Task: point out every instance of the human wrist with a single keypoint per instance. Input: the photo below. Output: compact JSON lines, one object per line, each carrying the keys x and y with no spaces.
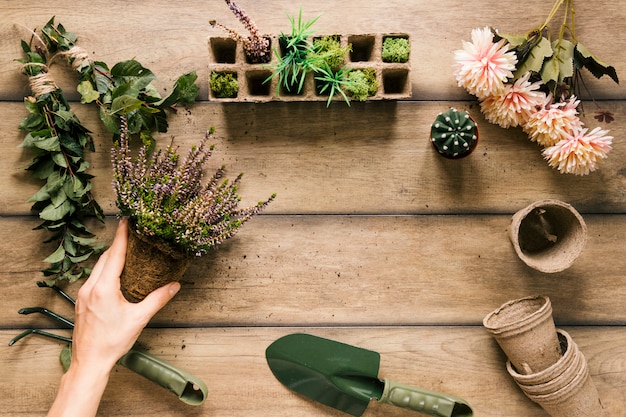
{"x":80,"y":391}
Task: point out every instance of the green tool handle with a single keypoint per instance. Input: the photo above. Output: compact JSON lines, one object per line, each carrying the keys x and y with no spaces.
{"x":188,"y":388}
{"x":425,"y":401}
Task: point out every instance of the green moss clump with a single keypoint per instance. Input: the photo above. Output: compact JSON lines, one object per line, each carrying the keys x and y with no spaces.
{"x":328,"y":49}
{"x":362,"y":83}
{"x":224,"y":84}
{"x":396,"y":50}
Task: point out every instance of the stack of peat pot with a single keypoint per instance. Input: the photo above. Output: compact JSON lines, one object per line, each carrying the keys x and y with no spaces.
{"x":544,"y":361}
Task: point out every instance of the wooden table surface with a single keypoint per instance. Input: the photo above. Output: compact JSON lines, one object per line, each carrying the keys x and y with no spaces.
{"x":373,"y":240}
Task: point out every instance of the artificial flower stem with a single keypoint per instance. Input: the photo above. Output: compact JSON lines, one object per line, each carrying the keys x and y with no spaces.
{"x":555,"y":8}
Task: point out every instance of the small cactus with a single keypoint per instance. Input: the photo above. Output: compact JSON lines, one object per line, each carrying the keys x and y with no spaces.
{"x":454,"y":134}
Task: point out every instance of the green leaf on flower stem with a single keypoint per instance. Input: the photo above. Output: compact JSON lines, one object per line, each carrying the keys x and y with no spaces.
{"x":514,"y":40}
{"x":561,"y":65}
{"x":535,"y":58}
{"x":584,"y":58}
{"x":56,"y":256}
{"x":87,"y":93}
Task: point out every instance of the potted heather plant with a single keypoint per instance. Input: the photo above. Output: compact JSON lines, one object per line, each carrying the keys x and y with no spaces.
{"x":173,"y":216}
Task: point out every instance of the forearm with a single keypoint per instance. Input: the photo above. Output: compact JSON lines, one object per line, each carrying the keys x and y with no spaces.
{"x":80,"y":392}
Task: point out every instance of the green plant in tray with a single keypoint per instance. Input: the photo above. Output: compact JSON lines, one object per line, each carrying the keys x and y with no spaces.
{"x":333,"y":82}
{"x":396,"y":49}
{"x":224,"y":84}
{"x":362,"y":83}
{"x":296,"y":55}
{"x":256,"y":46}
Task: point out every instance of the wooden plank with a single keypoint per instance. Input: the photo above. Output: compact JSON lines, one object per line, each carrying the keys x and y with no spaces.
{"x":370,"y":158}
{"x":463,"y":361}
{"x":355,"y":270}
{"x":166,"y":33}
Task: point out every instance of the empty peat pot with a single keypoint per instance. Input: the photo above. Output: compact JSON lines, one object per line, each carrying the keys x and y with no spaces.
{"x":525,"y":331}
{"x":548,"y":235}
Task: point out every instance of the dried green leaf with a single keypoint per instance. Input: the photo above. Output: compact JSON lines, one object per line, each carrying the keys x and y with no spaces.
{"x":584,"y":58}
{"x":59,"y":159}
{"x":535,"y":58}
{"x":561,"y":65}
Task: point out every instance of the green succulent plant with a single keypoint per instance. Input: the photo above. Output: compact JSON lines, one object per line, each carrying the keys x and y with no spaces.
{"x":454,"y":134}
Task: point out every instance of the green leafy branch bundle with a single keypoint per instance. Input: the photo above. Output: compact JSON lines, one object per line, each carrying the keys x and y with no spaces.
{"x":59,"y":140}
{"x":125,"y":89}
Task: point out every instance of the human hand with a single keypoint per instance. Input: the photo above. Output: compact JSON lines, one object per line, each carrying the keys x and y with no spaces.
{"x":106,"y":327}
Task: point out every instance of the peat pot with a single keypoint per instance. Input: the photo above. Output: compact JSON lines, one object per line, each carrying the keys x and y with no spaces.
{"x":548,"y":235}
{"x":524,"y":329}
{"x":149,"y":265}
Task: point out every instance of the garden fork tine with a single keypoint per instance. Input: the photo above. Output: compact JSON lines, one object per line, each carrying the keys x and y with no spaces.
{"x":48,"y":313}
{"x":59,"y":291}
{"x":187,"y":387}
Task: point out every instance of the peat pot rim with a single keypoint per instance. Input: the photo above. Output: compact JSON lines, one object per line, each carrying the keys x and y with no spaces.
{"x":518,"y":316}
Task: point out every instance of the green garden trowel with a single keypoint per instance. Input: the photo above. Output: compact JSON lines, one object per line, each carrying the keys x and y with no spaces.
{"x":346,"y":378}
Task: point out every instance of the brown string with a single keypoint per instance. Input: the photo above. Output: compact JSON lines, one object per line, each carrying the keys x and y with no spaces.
{"x":78,"y":57}
{"x":41,"y":83}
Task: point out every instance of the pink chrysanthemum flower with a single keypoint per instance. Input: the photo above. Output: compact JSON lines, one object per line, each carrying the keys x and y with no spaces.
{"x":515,"y":104}
{"x":553,"y":122}
{"x":580,"y":153}
{"x":483,"y":66}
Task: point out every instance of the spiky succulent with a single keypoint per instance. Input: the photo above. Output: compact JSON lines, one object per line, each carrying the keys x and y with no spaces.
{"x":454,"y":133}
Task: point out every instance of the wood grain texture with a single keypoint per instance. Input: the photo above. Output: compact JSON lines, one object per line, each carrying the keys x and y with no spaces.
{"x":373,"y":240}
{"x":463,"y":360}
{"x":359,"y":271}
{"x":171,"y":39}
{"x":373,"y":158}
